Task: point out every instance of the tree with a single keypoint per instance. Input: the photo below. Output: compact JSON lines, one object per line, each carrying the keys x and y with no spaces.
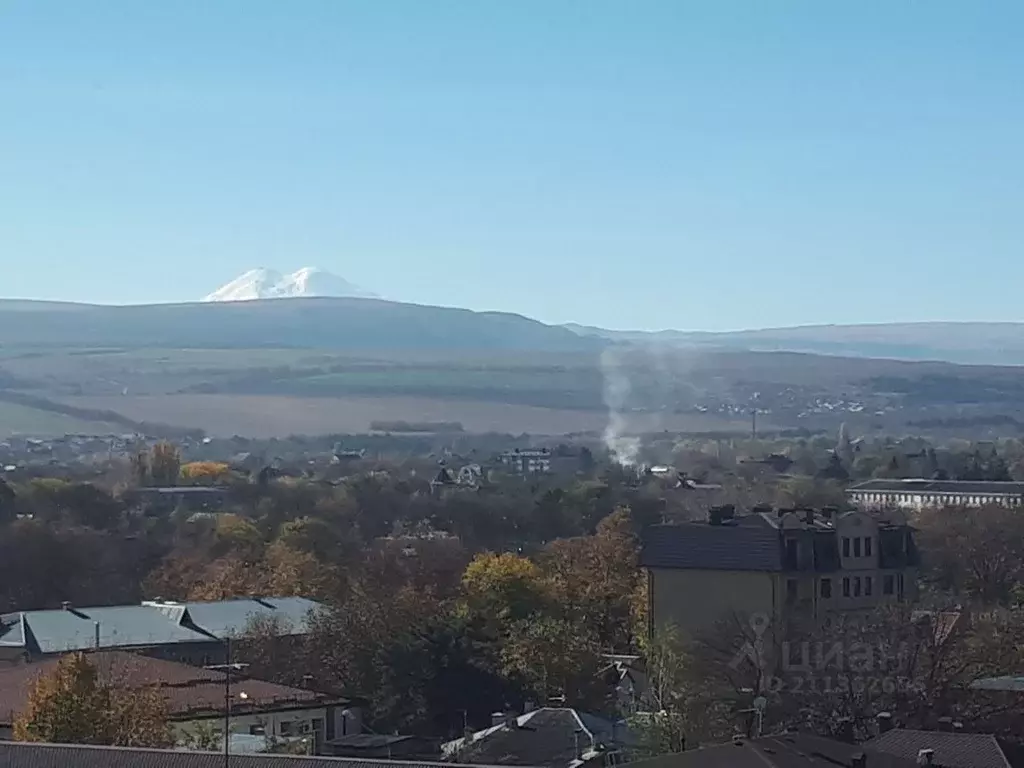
{"x":980,"y":555}
{"x":678,"y":708}
{"x":164,"y":464}
{"x":593,"y":579}
{"x":205,"y":472}
{"x":72,"y":706}
{"x":554,"y":658}
{"x":67,"y":706}
{"x":502,"y":589}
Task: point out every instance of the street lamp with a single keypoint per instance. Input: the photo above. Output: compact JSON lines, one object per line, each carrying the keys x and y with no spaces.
{"x":228,"y":667}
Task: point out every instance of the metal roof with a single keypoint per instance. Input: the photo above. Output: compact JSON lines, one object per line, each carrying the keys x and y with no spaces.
{"x":231,"y":617}
{"x":148,"y":624}
{"x":37,"y":755}
{"x":73,"y":629}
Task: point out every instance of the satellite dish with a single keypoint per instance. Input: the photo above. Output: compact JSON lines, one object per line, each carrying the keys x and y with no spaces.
{"x":760,"y":703}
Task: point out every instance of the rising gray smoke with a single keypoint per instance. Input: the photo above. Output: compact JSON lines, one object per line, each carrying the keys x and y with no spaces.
{"x":624,"y":448}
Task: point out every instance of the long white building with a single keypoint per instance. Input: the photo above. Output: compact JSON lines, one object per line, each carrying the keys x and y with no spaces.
{"x":918,"y":493}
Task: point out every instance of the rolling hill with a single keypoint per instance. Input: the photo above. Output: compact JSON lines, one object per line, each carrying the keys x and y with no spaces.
{"x":314,"y":323}
{"x":972,"y":343}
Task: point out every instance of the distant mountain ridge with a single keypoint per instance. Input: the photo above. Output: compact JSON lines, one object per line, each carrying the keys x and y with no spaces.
{"x":312,"y":323}
{"x":969,"y":343}
{"x":308,"y":282}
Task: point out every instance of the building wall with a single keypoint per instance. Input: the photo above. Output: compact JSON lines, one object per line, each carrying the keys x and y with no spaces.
{"x":282,"y":725}
{"x":918,"y":500}
{"x":695,"y":601}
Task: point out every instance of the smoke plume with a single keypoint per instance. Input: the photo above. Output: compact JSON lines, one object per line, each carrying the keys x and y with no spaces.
{"x":624,"y":448}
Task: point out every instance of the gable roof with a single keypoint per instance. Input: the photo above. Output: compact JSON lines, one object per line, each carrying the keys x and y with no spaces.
{"x":224,"y":618}
{"x":147,"y":624}
{"x":35,"y":755}
{"x":120,"y":626}
{"x":952,"y":750}
{"x":553,"y":737}
{"x":191,"y":692}
{"x":712,"y":547}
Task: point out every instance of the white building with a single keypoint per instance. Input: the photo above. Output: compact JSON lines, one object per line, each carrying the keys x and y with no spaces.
{"x":918,"y":493}
{"x":527,"y":461}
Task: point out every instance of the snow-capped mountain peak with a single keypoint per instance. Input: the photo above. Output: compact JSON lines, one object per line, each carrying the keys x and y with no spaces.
{"x":271,"y":284}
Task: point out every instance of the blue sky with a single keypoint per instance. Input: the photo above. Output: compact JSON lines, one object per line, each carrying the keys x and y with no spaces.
{"x":632,"y":164}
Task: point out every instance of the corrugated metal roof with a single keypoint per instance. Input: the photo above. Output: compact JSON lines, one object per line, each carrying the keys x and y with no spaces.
{"x":35,"y":755}
{"x":151,"y":623}
{"x":119,"y":627}
{"x":231,"y":617}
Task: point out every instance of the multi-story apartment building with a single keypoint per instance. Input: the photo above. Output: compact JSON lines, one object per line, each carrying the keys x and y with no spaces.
{"x":920,"y":493}
{"x":786,"y":565}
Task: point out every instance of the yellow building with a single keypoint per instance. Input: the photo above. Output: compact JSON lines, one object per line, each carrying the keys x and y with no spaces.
{"x":778,"y":566}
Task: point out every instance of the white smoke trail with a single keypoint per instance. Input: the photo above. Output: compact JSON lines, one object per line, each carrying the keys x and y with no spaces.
{"x":624,"y":448}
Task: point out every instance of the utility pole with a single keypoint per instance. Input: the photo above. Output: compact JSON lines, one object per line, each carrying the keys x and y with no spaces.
{"x":227,"y":702}
{"x":227,"y":667}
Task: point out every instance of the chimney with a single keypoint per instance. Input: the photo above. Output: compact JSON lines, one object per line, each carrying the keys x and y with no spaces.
{"x":715,"y":516}
{"x":926,"y":757}
{"x":511,"y":720}
{"x":946,"y":724}
{"x":65,"y":606}
{"x":958,"y":727}
{"x":809,"y":516}
{"x":497,"y":718}
{"x":859,"y":760}
{"x":728,"y":511}
{"x":884,"y":721}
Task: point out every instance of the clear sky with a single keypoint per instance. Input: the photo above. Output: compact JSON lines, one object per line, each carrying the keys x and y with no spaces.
{"x":632,"y":164}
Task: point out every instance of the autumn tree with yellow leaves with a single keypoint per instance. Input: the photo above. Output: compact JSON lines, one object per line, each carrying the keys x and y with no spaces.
{"x":71,"y":705}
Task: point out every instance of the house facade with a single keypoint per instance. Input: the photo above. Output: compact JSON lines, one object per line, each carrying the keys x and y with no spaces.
{"x":784,"y":566}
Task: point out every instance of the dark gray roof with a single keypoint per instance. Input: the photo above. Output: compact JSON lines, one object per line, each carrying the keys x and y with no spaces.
{"x":952,"y":750}
{"x":545,"y":737}
{"x":992,"y":487}
{"x":31,"y":755}
{"x":712,"y":547}
{"x":786,"y":751}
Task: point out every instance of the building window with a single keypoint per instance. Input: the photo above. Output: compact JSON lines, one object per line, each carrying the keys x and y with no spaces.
{"x":826,"y":588}
{"x":887,"y":585}
{"x":856,"y":547}
{"x":846,"y":586}
{"x":867,"y":547}
{"x":846,"y":546}
{"x":792,"y":590}
{"x":257,"y":730}
{"x":899,"y":584}
{"x":867,"y":586}
{"x":856,"y":586}
{"x":286,"y":727}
